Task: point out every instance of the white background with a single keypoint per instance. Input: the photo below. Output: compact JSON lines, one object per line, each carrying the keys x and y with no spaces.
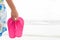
{"x":34,"y":11}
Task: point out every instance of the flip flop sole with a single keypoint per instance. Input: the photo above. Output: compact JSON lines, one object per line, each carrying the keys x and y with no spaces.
{"x":11,"y":28}
{"x":19,"y":27}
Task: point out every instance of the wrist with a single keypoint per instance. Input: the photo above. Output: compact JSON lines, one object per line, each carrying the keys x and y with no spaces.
{"x":13,"y":9}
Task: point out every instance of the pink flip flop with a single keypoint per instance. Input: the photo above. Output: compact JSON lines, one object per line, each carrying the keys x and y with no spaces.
{"x":11,"y":28}
{"x":15,"y":28}
{"x":19,"y":27}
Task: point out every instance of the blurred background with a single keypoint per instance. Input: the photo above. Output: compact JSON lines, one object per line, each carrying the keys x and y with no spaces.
{"x":42,"y":19}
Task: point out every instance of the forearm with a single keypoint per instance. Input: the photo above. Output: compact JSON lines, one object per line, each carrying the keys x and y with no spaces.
{"x":11,"y":5}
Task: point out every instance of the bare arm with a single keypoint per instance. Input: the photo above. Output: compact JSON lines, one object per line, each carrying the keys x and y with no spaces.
{"x":11,"y":5}
{"x":14,"y":13}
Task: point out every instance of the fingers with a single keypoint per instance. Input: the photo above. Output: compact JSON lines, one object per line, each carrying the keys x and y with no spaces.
{"x":14,"y":18}
{"x":14,"y":15}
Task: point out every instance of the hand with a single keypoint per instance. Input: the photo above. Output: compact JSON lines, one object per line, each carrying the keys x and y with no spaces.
{"x":14,"y":15}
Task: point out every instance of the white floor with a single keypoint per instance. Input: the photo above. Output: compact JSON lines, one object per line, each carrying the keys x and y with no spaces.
{"x":37,"y":32}
{"x":5,"y":37}
{"x":30,"y":37}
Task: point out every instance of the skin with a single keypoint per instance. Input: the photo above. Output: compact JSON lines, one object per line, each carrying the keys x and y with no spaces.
{"x":14,"y":13}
